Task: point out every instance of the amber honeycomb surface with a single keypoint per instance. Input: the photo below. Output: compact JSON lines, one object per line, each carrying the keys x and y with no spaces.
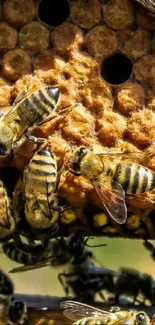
{"x":120,"y":117}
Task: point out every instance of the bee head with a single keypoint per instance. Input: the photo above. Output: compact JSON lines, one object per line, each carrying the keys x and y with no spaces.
{"x":142,"y":318}
{"x":3,"y":149}
{"x":75,"y":244}
{"x":79,"y":154}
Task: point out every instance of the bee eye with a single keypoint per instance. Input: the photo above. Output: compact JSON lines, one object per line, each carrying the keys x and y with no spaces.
{"x":140,"y":318}
{"x":2,"y":149}
{"x":76,"y":166}
{"x":82,"y":151}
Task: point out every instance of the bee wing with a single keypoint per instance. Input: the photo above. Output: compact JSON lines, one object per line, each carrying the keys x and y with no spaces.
{"x":113,"y":199}
{"x":25,"y":268}
{"x":21,"y":96}
{"x":93,"y":269}
{"x":75,"y":310}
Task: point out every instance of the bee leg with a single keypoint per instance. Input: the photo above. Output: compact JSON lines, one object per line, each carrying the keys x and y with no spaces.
{"x":148,"y":222}
{"x":45,"y":242}
{"x":35,"y":139}
{"x":67,"y":110}
{"x":60,"y":278}
{"x":102,"y":295}
{"x":81,"y":216}
{"x":114,"y":309}
{"x":18,"y":313}
{"x":49,"y":118}
{"x":59,"y":209}
{"x":60,"y":171}
{"x":117,"y":296}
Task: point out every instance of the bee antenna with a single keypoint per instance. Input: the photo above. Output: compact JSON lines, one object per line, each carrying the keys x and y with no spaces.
{"x":96,"y":245}
{"x":101,"y":245}
{"x":71,"y":146}
{"x":74,"y":172}
{"x":85,"y":240}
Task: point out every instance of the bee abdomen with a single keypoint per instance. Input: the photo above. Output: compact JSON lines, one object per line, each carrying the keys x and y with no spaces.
{"x":42,"y":102}
{"x":134,"y":178}
{"x":18,"y":254}
{"x":42,"y":170}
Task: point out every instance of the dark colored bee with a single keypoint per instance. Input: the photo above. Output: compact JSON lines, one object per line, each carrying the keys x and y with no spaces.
{"x":54,"y":252}
{"x":83,"y":276}
{"x":10,"y":311}
{"x":132,"y":283}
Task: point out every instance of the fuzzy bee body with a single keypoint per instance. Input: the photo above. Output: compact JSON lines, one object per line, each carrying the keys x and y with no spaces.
{"x":113,"y":179}
{"x":88,"y":315}
{"x":29,"y":109}
{"x":40,"y":181}
{"x":7,"y":222}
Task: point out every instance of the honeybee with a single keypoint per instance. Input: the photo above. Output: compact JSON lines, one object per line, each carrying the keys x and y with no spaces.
{"x":112,"y":180}
{"x":54,"y":252}
{"x":36,"y":255}
{"x":7,"y":221}
{"x":92,"y":316}
{"x":31,"y":107}
{"x":41,"y":181}
{"x":10,"y":311}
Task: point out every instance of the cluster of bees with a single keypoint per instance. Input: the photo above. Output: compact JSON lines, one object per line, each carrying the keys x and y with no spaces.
{"x":11,"y":311}
{"x":112,"y":179}
{"x":83,"y":276}
{"x":15,"y":312}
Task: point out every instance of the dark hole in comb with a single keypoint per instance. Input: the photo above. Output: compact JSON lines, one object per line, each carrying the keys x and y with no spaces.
{"x":116,"y":69}
{"x":9,"y":175}
{"x":53,"y":13}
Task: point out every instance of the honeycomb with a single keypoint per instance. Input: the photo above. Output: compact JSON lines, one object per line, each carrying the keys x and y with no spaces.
{"x":101,"y":55}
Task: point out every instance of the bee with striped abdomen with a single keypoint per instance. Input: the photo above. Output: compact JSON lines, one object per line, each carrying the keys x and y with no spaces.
{"x":7,"y":221}
{"x":23,"y":253}
{"x":88,"y":315}
{"x":112,"y":179}
{"x":41,"y":180}
{"x":10,"y":311}
{"x":31,"y":108}
{"x":35,"y":256}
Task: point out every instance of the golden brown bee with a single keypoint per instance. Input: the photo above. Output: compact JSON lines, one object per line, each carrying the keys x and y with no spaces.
{"x":7,"y":221}
{"x":31,"y":107}
{"x":112,"y":179}
{"x":92,"y":316}
{"x":40,"y":186}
